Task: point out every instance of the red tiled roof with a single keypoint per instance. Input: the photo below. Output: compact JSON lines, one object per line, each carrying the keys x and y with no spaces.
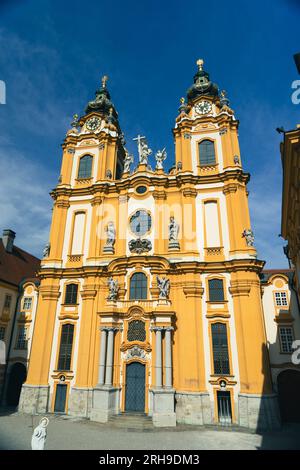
{"x":18,"y":265}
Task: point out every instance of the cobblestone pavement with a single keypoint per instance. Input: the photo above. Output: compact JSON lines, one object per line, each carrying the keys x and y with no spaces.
{"x":70,"y":434}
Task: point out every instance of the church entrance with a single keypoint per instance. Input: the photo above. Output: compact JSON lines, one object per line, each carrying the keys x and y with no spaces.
{"x":17,"y":377}
{"x":288,"y":383}
{"x":135,"y":387}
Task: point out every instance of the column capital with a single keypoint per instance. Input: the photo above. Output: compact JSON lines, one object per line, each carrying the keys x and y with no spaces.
{"x":169,"y":328}
{"x":156,"y":328}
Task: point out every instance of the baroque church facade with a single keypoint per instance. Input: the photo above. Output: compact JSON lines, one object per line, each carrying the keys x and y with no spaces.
{"x":150,"y":296}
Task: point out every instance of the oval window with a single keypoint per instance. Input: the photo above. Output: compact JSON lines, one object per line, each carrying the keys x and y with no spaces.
{"x":140,"y":222}
{"x":141,"y":189}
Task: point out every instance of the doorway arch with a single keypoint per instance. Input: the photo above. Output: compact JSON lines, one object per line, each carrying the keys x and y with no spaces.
{"x":288,"y":383}
{"x":16,"y":379}
{"x":135,"y":387}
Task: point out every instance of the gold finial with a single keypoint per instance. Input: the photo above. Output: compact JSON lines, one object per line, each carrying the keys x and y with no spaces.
{"x":104,"y":80}
{"x":200,"y":63}
{"x":182,"y":100}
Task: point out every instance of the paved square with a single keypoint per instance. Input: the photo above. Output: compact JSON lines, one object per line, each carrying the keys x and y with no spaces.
{"x":70,"y":434}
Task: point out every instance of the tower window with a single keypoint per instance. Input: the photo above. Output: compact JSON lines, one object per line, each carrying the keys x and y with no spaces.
{"x":85,"y":167}
{"x":21,"y":342}
{"x":65,"y":349}
{"x":216,"y":290}
{"x":286,"y":339}
{"x":220,"y":348}
{"x":27,"y":303}
{"x":207,"y":153}
{"x":136,"y":331}
{"x":7,"y":301}
{"x":71,"y":294}
{"x":281,"y":299}
{"x":2,"y":333}
{"x":138,"y":286}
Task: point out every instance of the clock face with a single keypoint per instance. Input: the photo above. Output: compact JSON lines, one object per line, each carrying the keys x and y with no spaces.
{"x":93,"y":123}
{"x":203,"y":108}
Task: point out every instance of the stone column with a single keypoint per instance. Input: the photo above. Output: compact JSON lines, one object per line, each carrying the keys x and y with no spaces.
{"x":168,"y":359}
{"x":102,"y":357}
{"x":109,"y":357}
{"x":158,"y":359}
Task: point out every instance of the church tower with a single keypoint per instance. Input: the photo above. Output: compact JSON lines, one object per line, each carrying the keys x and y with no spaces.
{"x":150,"y":296}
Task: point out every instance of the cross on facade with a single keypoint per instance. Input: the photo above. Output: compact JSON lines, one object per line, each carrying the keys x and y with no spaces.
{"x":139,"y":140}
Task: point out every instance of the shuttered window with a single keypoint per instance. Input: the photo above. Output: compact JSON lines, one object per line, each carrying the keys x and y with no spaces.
{"x":65,"y":350}
{"x":207,"y":153}
{"x":216,"y":290}
{"x":138,"y":286}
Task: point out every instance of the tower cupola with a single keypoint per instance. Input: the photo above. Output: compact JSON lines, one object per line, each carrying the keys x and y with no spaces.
{"x":202,"y":85}
{"x":102,"y":103}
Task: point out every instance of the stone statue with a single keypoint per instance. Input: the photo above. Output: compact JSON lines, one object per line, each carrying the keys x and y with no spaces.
{"x":236,"y":159}
{"x":46,"y":250}
{"x":164,"y":287}
{"x":143,"y":150}
{"x":108,"y":174}
{"x":110,"y":238}
{"x":179,"y":166}
{"x":75,"y":122}
{"x":39,"y":435}
{"x":113,"y":289}
{"x":127,"y":162}
{"x":173,"y":229}
{"x":249,"y":236}
{"x":173,"y":234}
{"x":160,"y":157}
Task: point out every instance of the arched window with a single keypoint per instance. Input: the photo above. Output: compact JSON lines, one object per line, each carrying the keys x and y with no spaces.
{"x":136,"y":331}
{"x":216,"y":290}
{"x":85,"y":167}
{"x":220,"y":348}
{"x":65,"y":349}
{"x":138,"y":286}
{"x":71,"y":294}
{"x":207,"y":153}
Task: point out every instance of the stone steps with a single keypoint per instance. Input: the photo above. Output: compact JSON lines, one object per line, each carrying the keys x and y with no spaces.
{"x":132,"y":421}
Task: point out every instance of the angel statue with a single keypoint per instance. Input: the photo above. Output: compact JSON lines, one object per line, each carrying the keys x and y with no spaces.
{"x":160,"y":157}
{"x":110,"y":238}
{"x":113,"y":287}
{"x":164,"y":287}
{"x":249,"y":236}
{"x":39,"y":435}
{"x":46,"y":250}
{"x":127,"y":162}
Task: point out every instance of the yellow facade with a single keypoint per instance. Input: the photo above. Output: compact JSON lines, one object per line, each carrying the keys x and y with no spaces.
{"x":192,"y":353}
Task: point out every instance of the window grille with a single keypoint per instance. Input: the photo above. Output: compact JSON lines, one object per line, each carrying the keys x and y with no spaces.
{"x":136,"y":331}
{"x":216,"y":290}
{"x":220,"y":348}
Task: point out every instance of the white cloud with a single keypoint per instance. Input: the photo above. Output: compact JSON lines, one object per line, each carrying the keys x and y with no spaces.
{"x":25,"y":204}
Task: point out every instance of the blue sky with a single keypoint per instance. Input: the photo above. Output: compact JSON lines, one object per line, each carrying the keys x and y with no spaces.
{"x":54,"y":53}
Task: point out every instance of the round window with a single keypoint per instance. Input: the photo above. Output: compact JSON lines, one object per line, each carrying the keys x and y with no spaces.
{"x":140,"y":222}
{"x":141,"y":189}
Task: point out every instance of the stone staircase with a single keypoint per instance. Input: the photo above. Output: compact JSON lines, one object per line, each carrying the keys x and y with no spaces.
{"x":132,"y":421}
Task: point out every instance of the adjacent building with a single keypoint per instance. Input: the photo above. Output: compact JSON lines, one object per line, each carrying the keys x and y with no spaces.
{"x":282,"y":320}
{"x":150,"y":293}
{"x":18,"y":300}
{"x":290,"y":216}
